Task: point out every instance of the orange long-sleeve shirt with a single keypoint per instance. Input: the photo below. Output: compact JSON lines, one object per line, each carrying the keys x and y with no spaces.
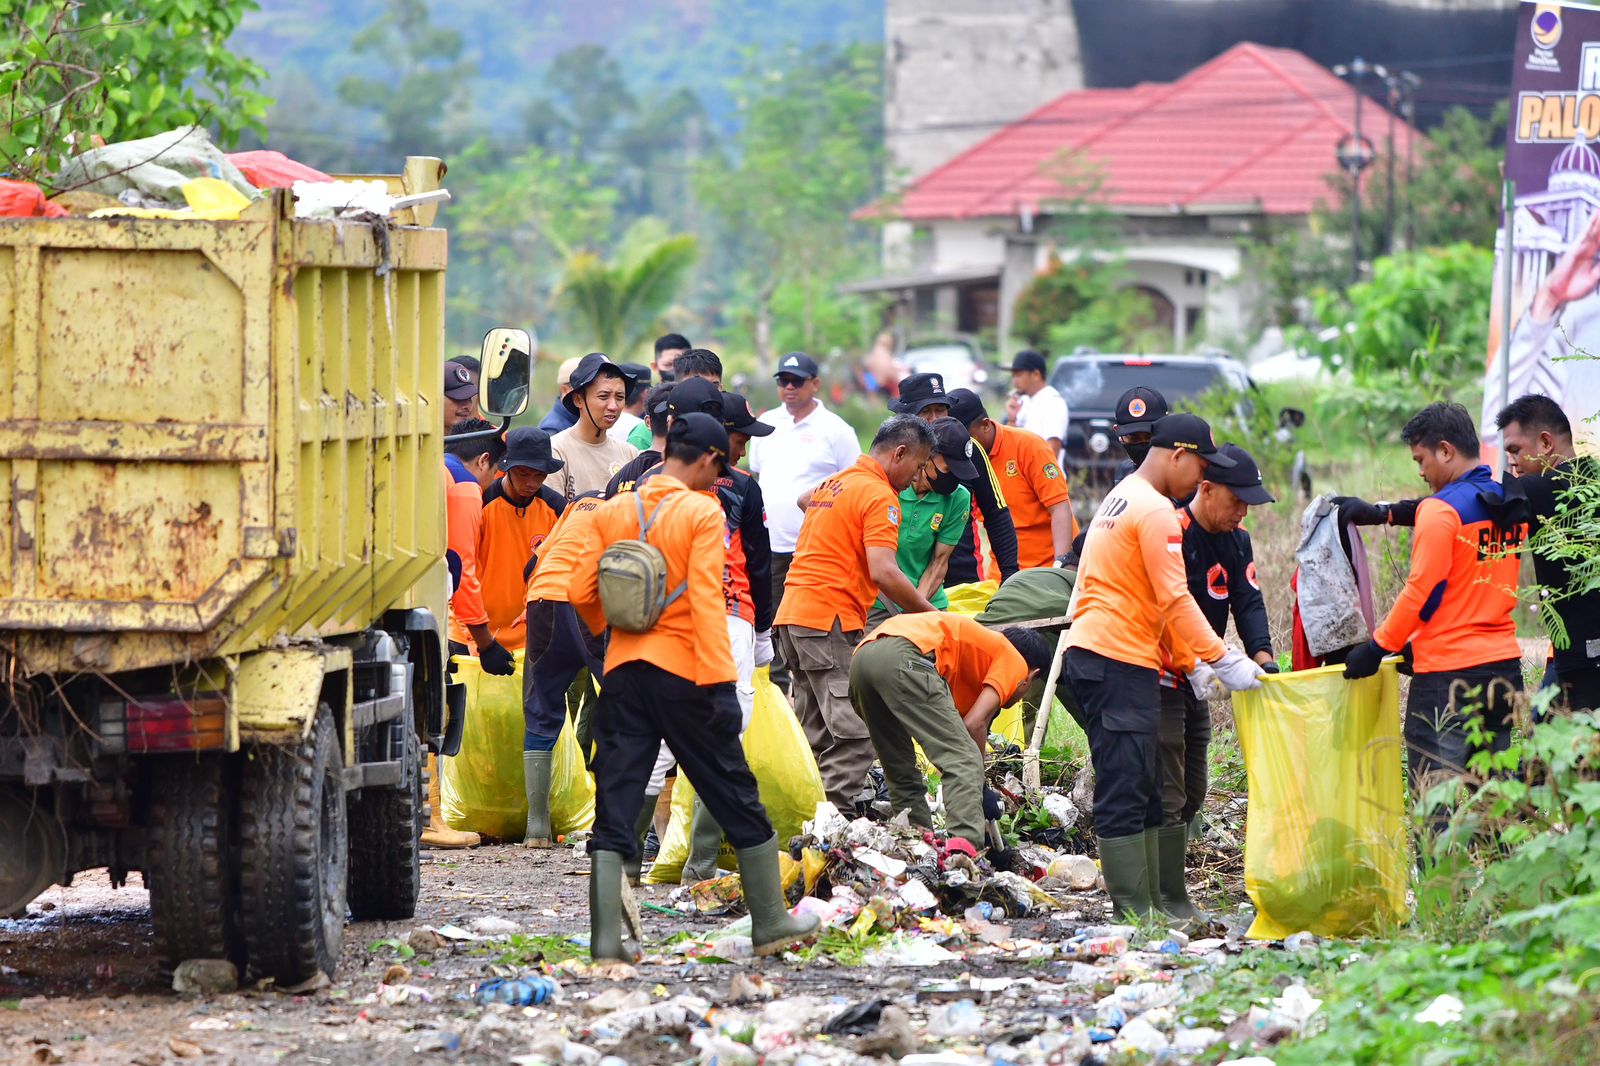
{"x":1132,"y":584}
{"x":463,"y":527}
{"x":691,"y":637}
{"x":968,"y":654}
{"x":1456,"y":607}
{"x":560,"y":549}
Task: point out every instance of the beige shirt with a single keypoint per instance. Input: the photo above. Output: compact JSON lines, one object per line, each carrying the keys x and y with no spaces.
{"x":589,"y":466}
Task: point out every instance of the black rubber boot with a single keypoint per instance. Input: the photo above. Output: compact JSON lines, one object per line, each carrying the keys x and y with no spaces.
{"x":705,"y":841}
{"x":1126,"y":868}
{"x":536,"y":781}
{"x":605,"y":909}
{"x":634,"y":863}
{"x":1172,"y":846}
{"x":772,"y":927}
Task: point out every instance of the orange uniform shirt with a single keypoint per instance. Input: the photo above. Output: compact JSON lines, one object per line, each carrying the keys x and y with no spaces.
{"x":463,"y":527}
{"x":691,"y":637}
{"x":828,"y":580}
{"x":1032,"y":483}
{"x":1132,"y":585}
{"x":1456,"y":607}
{"x":561,"y":547}
{"x":510,"y":535}
{"x":968,"y":655}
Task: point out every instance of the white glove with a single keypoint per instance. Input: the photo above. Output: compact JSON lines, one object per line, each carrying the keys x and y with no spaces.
{"x":764,"y":647}
{"x":1237,"y":671}
{"x":1204,"y":681}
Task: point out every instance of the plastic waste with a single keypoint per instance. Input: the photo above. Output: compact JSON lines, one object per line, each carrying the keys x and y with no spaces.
{"x":1080,"y":872}
{"x":857,"y":1018}
{"x":1444,"y":1010}
{"x":900,"y":950}
{"x":1299,"y":941}
{"x":517,"y":991}
{"x":24,"y":199}
{"x":1062,"y":811}
{"x":152,"y":169}
{"x":1140,"y":1035}
{"x":961,"y":1018}
{"x":266,"y":169}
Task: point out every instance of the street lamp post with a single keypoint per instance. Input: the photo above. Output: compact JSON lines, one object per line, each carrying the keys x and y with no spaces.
{"x":1355,"y":153}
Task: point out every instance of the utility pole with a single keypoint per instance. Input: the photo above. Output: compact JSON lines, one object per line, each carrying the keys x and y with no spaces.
{"x":1354,"y":153}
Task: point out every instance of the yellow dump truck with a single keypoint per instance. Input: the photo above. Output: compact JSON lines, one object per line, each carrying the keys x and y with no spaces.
{"x":222,"y":592}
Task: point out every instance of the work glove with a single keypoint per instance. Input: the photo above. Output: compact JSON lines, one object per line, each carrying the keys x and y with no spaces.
{"x":1269,"y":667}
{"x":1364,"y":661}
{"x":1354,"y":511}
{"x":1406,"y":665}
{"x":993,"y":806}
{"x":764,"y":647}
{"x":496,"y":660}
{"x":1402,"y":512}
{"x":1237,"y":671}
{"x":1203,"y":680}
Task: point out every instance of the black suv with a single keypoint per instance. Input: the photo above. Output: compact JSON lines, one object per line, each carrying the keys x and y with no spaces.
{"x":1092,"y":383}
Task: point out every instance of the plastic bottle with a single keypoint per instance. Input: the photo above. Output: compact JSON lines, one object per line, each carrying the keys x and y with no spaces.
{"x":517,"y":991}
{"x":961,"y":1018}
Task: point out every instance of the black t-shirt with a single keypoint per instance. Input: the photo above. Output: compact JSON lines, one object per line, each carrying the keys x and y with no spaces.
{"x":625,"y":479}
{"x":1579,"y":615}
{"x":1221,"y":569}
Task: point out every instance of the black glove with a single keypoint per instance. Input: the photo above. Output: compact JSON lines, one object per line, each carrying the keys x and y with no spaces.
{"x":1403,"y":512}
{"x":1270,"y":666}
{"x":1406,"y":665}
{"x":1363,"y":661}
{"x":993,"y":807}
{"x":1355,"y":511}
{"x":496,"y":660}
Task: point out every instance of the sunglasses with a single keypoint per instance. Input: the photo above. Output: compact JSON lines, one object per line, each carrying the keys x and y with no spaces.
{"x":787,"y":382}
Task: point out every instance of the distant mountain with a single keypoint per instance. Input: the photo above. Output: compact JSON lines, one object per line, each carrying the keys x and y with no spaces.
{"x":662,"y":44}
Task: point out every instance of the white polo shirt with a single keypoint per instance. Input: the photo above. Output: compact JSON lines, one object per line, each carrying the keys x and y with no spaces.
{"x":1044,"y":413}
{"x":794,"y":458}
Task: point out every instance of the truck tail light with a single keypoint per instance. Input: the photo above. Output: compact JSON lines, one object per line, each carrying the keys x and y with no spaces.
{"x":172,"y":723}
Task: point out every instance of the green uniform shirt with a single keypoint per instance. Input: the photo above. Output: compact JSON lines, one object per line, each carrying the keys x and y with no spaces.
{"x":924,"y":522}
{"x":639,"y":436}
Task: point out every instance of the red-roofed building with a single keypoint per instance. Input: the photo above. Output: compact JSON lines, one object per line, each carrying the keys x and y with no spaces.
{"x":1189,"y":167}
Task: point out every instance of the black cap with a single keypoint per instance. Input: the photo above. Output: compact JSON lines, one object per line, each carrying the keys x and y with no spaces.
{"x":951,"y":440}
{"x":965,"y":406}
{"x":638,"y":379}
{"x":1027,"y":359}
{"x":700,"y":431}
{"x":458,"y":381}
{"x":695,"y":394}
{"x":919,"y":391}
{"x":799,"y":364}
{"x":529,"y":447}
{"x":1188,"y":432}
{"x":1138,"y":409}
{"x":1243,"y":477}
{"x":583,"y":375}
{"x":737,"y":416}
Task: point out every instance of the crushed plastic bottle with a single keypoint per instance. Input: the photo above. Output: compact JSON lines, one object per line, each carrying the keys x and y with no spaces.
{"x":961,"y":1018}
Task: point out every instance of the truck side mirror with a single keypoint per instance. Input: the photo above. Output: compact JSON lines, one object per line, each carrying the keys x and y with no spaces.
{"x":507,"y":359}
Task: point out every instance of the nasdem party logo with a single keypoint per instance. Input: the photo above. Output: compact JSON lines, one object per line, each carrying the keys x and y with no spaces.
{"x":1545,"y":29}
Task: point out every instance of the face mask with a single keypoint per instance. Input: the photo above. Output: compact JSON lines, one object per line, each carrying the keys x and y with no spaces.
{"x":944,"y":483}
{"x":1137,"y":452}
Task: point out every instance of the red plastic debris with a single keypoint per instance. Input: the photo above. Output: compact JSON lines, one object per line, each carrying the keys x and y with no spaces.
{"x":274,"y":170}
{"x":24,"y":199}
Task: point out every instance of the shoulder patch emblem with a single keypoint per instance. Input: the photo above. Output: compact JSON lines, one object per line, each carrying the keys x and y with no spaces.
{"x":1011,"y":468}
{"x":1250,"y":575}
{"x":894,"y":515}
{"x":1052,"y":471}
{"x":938,"y":520}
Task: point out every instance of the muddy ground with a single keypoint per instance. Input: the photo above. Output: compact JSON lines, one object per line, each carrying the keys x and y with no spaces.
{"x":80,"y":981}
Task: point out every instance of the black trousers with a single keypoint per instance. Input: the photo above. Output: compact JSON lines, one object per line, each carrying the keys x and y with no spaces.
{"x":1436,"y":710}
{"x":779,"y":670}
{"x":1580,"y":687}
{"x":1121,"y":705}
{"x":640,"y":706}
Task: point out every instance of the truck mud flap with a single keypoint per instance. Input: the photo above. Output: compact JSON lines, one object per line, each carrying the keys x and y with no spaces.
{"x":455,"y":701}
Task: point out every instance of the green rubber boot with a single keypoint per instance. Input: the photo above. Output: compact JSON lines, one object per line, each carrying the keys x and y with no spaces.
{"x":705,"y":840}
{"x":605,"y":909}
{"x":772,"y":927}
{"x":1126,"y":869}
{"x":1172,"y":847}
{"x":536,"y":781}
{"x":634,"y":863}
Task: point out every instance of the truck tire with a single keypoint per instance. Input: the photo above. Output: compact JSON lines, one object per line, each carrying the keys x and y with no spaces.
{"x":189,"y":867}
{"x":294,"y":856}
{"x":385,"y":854}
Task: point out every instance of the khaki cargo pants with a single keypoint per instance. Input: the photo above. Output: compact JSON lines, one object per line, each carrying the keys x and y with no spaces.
{"x":902,"y":698}
{"x":820,"y":665}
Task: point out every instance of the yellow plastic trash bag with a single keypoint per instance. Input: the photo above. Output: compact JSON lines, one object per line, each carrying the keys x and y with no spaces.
{"x":786,"y":773}
{"x":1325,"y":845}
{"x":972,"y":597}
{"x":481,"y":787}
{"x":208,"y":198}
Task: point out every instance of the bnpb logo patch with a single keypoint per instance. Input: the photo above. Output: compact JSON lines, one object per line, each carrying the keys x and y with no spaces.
{"x":1137,"y":407}
{"x":1217,"y":582}
{"x":1250,"y":576}
{"x":894,"y":516}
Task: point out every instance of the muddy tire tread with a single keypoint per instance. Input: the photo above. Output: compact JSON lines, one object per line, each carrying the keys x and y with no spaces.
{"x":189,"y":869}
{"x":385,"y":845}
